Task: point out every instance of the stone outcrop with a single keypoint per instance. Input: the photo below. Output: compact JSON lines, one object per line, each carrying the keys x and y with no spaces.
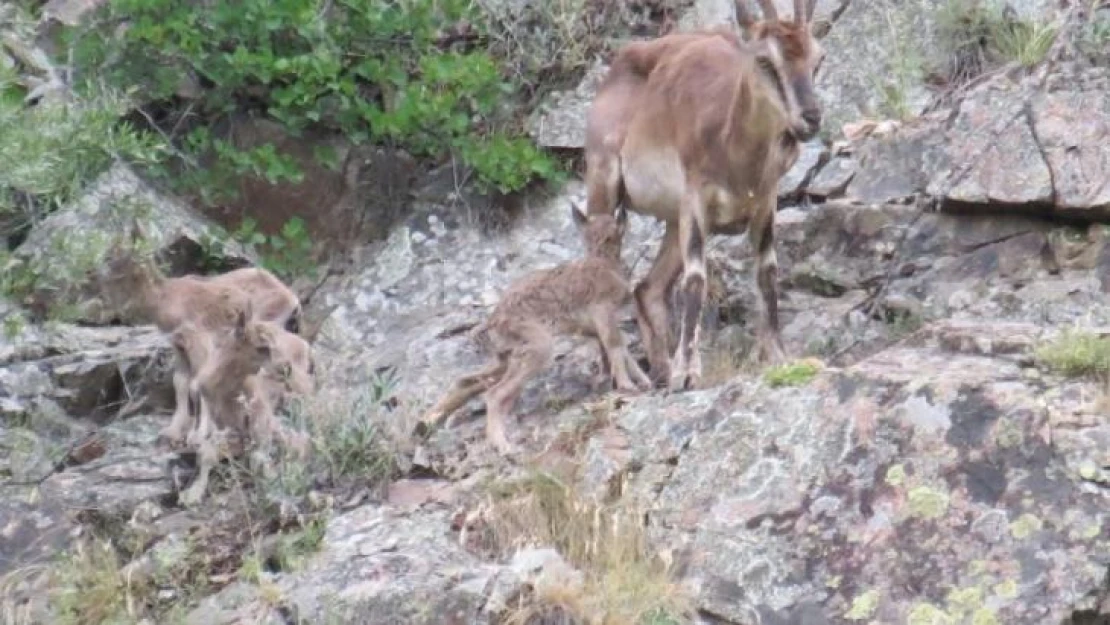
{"x":61,"y":251}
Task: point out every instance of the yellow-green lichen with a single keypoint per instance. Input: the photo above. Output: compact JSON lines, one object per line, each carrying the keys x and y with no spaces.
{"x":1008,"y":434}
{"x":928,"y":503}
{"x":1025,"y":525}
{"x":977,"y":567}
{"x":863,"y":606}
{"x":984,"y":616}
{"x":896,"y":475}
{"x":1088,"y":471}
{"x":1092,"y":531}
{"x":1007,"y":589}
{"x":833,"y":582}
{"x":963,"y":601}
{"x":928,"y":614}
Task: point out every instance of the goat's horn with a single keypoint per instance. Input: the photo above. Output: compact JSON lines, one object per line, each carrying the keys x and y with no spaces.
{"x":810,"y":9}
{"x":743,"y":15}
{"x":800,"y":12}
{"x":769,"y":11}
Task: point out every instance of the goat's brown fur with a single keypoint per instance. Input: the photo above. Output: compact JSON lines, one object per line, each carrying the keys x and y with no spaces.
{"x":696,"y":129}
{"x":210,"y":303}
{"x":582,"y":297}
{"x":242,"y":383}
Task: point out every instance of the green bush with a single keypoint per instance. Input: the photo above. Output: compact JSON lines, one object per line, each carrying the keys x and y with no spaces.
{"x":386,"y":72}
{"x":52,"y":150}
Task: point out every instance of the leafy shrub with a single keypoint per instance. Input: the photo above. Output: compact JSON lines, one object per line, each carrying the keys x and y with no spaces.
{"x":54,"y":149}
{"x":389,"y":72}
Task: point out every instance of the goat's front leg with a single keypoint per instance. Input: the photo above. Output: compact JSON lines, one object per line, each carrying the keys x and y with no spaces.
{"x":652,"y":310}
{"x":686,"y":366}
{"x":761,"y":233}
{"x":174,"y":433}
{"x":607,"y":326}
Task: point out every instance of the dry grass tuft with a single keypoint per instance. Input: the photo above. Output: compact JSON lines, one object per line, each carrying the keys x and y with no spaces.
{"x":624,"y":582}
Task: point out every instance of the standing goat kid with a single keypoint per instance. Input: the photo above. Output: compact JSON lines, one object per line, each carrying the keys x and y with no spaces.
{"x":696,"y":129}
{"x":211,"y":303}
{"x":583,"y":298}
{"x":240,"y":387}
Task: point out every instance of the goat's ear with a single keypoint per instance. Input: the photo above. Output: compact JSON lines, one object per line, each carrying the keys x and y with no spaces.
{"x":580,"y":217}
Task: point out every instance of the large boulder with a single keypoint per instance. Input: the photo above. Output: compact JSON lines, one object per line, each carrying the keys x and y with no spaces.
{"x":379,"y":566}
{"x":1032,"y":145}
{"x":82,"y":373}
{"x":937,"y":482}
{"x":53,"y":265}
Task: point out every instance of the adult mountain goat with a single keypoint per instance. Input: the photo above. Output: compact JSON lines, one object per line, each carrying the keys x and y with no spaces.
{"x":696,"y":129}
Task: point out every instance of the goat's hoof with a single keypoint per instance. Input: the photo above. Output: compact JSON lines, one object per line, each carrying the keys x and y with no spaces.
{"x":421,"y":430}
{"x":169,"y":440}
{"x":685,"y":381}
{"x":194,"y":440}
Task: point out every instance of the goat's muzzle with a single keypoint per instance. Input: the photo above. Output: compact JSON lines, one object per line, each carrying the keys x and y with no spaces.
{"x":810,"y":126}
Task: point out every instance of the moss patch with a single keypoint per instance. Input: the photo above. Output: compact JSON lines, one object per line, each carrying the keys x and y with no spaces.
{"x":793,"y":374}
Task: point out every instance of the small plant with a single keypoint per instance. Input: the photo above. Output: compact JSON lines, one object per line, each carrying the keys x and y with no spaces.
{"x":1075,"y":353}
{"x":793,"y":374}
{"x":981,"y":35}
{"x":1025,"y":43}
{"x":14,"y":325}
{"x":348,"y":441}
{"x":623,"y":580}
{"x":288,"y":253}
{"x":292,"y":548}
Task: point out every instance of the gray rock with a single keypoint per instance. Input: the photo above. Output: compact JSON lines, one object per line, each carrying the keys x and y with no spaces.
{"x":795,"y":179}
{"x":376,"y":567}
{"x":915,"y":481}
{"x":61,"y":251}
{"x":86,"y":373}
{"x":1008,"y":143}
{"x":832,"y":179}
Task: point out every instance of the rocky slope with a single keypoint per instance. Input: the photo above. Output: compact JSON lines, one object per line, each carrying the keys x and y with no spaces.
{"x":934,"y":470}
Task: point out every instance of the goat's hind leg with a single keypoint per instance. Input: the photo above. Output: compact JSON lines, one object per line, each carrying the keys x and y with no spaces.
{"x":686,"y":367}
{"x":525,"y":361}
{"x":175,"y":432}
{"x":462,"y":391}
{"x":207,"y":452}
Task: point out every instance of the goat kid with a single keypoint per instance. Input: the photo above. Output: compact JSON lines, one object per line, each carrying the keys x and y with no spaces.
{"x":583,"y":298}
{"x":244,"y":380}
{"x":696,"y":129}
{"x":211,"y":303}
